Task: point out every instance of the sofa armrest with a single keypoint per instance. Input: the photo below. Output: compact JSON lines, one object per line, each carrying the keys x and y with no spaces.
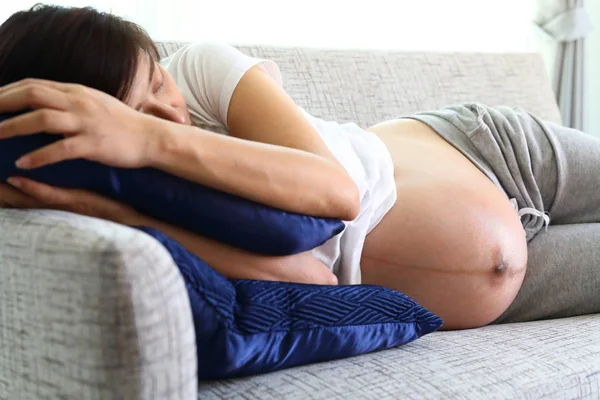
{"x":90,"y":309}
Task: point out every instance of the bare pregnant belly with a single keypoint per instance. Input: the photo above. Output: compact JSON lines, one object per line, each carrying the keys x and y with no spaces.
{"x":452,"y":241}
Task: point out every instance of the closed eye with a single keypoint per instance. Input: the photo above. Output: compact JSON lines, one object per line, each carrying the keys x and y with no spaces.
{"x":161,"y":84}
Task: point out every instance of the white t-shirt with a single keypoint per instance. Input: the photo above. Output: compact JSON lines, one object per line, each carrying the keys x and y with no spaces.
{"x":207,"y":74}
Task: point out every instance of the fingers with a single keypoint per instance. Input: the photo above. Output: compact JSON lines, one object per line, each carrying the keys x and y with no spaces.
{"x":41,"y":192}
{"x":66,"y":149}
{"x":64,"y":87}
{"x":74,"y":200}
{"x":46,"y":120}
{"x":13,"y":198}
{"x":32,"y":95}
{"x":33,"y":194}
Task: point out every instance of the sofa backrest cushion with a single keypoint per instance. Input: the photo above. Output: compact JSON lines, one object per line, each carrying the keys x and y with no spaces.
{"x":369,"y":86}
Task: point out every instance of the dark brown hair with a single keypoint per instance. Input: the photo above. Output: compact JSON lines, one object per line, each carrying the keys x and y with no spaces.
{"x":76,"y":45}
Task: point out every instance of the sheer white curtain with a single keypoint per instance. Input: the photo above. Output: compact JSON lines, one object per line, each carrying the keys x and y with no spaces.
{"x":563,"y":27}
{"x":443,"y":25}
{"x":593,"y":49}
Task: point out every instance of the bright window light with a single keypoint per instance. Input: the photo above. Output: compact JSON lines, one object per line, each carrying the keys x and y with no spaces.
{"x":436,"y":25}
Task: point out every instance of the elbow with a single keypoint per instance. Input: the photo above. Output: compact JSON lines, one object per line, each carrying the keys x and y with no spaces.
{"x":329,"y":279}
{"x":321,"y":276}
{"x":348,"y":200}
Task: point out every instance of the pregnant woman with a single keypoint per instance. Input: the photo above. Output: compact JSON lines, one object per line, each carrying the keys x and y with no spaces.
{"x":440,"y":205}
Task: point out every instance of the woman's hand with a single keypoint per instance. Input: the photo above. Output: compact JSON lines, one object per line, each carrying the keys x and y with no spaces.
{"x":95,"y":125}
{"x":232,"y":262}
{"x":26,"y":193}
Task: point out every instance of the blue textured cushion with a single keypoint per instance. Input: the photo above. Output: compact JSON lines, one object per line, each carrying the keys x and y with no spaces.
{"x":212,"y":213}
{"x":248,"y":327}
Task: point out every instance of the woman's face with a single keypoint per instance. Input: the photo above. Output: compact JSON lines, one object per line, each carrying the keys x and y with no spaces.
{"x":154,"y":92}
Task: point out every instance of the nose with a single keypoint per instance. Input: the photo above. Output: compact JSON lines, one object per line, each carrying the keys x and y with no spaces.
{"x":165,"y":111}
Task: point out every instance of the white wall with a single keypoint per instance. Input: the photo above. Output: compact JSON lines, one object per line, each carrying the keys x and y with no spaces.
{"x":593,"y":49}
{"x":469,"y":25}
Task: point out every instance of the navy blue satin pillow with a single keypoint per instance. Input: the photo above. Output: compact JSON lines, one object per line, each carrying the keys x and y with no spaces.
{"x":248,"y":327}
{"x":212,"y":213}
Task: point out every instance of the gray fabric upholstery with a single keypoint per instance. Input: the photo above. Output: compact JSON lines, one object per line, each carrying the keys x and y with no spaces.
{"x":94,"y":310}
{"x":537,"y":360}
{"x":367,"y":87}
{"x":90,"y":309}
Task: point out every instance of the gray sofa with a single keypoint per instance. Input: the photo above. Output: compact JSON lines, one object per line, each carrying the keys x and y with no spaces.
{"x":90,"y":309}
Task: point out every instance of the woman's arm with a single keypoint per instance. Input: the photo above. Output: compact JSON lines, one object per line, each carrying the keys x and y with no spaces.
{"x":232,"y":262}
{"x":235,"y":263}
{"x":274,"y":156}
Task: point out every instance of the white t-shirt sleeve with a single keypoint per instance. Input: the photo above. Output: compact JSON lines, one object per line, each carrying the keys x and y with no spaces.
{"x":207,"y":74}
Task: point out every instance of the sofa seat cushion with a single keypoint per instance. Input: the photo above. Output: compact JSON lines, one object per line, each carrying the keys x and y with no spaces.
{"x":558,"y":359}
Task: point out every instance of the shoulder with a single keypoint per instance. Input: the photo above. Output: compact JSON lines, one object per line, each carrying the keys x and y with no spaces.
{"x":215,"y":57}
{"x":207,"y":73}
{"x":200,"y":50}
{"x":197,"y":55}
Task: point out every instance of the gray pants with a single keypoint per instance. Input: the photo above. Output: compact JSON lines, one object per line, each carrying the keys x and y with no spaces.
{"x":551,"y":174}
